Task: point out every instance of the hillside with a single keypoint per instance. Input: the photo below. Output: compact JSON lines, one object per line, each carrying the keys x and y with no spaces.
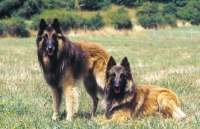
{"x":23,"y":22}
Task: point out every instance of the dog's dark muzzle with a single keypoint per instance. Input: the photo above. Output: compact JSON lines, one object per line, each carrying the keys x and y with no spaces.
{"x":50,"y":49}
{"x":117,"y":88}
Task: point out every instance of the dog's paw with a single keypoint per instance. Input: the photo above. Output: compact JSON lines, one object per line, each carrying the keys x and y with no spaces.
{"x":68,"y":119}
{"x":54,"y":117}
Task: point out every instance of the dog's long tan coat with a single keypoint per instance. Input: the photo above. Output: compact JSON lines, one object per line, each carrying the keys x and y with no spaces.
{"x":138,"y":101}
{"x":64,"y":62}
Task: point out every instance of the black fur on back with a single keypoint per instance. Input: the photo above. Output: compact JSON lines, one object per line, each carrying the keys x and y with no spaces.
{"x":68,"y":57}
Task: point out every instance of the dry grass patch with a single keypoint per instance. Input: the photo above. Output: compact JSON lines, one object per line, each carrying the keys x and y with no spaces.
{"x":159,"y":75}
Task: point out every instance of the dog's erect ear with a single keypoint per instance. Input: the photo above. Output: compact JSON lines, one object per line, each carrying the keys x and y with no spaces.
{"x":125,"y":63}
{"x":56,"y":25}
{"x":111,"y":63}
{"x":42,"y":25}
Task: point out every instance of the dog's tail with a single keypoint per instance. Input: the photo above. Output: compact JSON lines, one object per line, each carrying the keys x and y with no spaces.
{"x":178,"y":113}
{"x":169,"y":105}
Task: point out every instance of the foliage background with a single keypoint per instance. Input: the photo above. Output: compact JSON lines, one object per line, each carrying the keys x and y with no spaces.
{"x":149,"y":14}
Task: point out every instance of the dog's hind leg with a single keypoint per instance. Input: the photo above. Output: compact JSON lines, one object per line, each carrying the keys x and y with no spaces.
{"x":169,"y":105}
{"x":91,"y":88}
{"x":57,"y":98}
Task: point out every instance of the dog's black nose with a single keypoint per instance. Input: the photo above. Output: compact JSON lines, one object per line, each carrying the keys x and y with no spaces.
{"x":117,"y":88}
{"x":116,"y":85}
{"x":50,"y":48}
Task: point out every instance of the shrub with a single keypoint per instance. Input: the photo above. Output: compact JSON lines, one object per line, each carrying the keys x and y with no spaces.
{"x":68,"y":20}
{"x":96,"y":22}
{"x":190,"y":13}
{"x":169,"y":13}
{"x":150,"y":15}
{"x":22,"y":8}
{"x":9,"y":6}
{"x":15,"y":27}
{"x":29,"y":8}
{"x":70,"y":4}
{"x":150,"y":21}
{"x":180,"y":3}
{"x":58,"y":4}
{"x":170,"y":19}
{"x":2,"y":29}
{"x":94,"y":4}
{"x":169,"y":8}
{"x":128,"y":3}
{"x":120,"y":19}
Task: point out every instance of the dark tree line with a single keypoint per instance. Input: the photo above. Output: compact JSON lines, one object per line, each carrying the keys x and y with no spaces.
{"x":27,"y":8}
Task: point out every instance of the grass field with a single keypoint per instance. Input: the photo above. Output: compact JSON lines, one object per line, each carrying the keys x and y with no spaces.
{"x":25,"y":100}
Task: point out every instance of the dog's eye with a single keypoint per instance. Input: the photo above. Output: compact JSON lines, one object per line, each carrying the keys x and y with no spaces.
{"x":54,"y":37}
{"x":45,"y":37}
{"x":113,"y":75}
{"x":122,"y":76}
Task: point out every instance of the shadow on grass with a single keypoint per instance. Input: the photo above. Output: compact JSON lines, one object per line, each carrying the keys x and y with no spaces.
{"x":79,"y":114}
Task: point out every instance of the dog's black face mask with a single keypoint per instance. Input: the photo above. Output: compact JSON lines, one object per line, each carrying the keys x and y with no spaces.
{"x":50,"y":42}
{"x":117,"y":75}
{"x":49,"y":36}
{"x":117,"y":80}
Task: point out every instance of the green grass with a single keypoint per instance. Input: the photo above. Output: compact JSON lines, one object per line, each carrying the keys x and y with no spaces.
{"x":174,"y":33}
{"x":25,"y":100}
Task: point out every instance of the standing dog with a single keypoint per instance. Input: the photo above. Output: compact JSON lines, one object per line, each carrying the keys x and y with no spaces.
{"x":123,"y":95}
{"x":64,"y":62}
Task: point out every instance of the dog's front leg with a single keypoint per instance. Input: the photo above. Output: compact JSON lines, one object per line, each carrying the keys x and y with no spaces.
{"x":57,"y":98}
{"x":109,"y":111}
{"x":71,"y":98}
